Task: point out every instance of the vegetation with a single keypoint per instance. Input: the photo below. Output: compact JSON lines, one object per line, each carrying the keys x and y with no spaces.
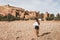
{"x":8,"y":17}
{"x":1,"y":17}
{"x":57,"y":17}
{"x":32,"y":18}
{"x":41,"y":16}
{"x":51,"y":17}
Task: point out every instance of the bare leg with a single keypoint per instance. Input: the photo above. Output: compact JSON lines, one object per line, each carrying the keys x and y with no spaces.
{"x":37,"y":33}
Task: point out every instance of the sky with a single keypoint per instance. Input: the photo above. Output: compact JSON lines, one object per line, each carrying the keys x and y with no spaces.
{"x":51,"y":6}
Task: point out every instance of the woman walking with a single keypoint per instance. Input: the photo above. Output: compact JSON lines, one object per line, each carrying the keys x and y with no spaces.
{"x":36,"y":24}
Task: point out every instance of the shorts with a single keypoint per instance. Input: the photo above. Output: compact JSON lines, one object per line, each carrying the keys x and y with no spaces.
{"x":37,"y":27}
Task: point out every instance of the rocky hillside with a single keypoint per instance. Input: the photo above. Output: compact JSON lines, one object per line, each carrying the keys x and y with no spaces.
{"x":18,"y":12}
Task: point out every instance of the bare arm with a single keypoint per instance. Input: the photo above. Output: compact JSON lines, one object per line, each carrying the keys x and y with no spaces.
{"x":37,"y":21}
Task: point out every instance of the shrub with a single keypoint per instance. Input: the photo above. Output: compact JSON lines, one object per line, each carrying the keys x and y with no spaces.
{"x":9,"y":17}
{"x":49,"y":18}
{"x":17,"y":18}
{"x":57,"y":17}
{"x":21,"y":18}
{"x":32,"y":18}
{"x":26,"y":19}
{"x":1,"y":17}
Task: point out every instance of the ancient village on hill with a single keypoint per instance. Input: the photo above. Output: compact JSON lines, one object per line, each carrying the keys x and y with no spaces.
{"x":21,"y":13}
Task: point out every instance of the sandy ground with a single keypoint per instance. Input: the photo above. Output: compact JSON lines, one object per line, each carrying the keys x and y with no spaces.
{"x":24,"y":30}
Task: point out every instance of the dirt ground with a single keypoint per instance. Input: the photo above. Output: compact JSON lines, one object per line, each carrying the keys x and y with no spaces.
{"x":24,"y":30}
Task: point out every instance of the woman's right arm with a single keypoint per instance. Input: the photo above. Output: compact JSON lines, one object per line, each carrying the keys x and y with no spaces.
{"x":38,"y":21}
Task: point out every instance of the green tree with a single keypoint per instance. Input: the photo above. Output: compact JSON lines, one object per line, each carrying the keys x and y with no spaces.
{"x":9,"y":17}
{"x":57,"y":17}
{"x":41,"y":16}
{"x":1,"y":17}
{"x":51,"y":17}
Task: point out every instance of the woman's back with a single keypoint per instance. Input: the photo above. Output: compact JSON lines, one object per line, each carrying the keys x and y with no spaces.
{"x":36,"y":24}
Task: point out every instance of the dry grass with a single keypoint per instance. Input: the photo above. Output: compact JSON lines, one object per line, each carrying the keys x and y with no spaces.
{"x":24,"y":30}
